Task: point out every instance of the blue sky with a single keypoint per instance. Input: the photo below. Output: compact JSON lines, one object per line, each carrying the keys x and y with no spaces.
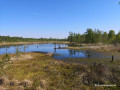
{"x":55,"y":18}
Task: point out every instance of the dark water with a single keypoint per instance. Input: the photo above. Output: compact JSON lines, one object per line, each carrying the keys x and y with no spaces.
{"x":58,"y":53}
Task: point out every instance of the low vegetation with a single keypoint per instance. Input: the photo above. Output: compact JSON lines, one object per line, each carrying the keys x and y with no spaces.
{"x":3,"y":62}
{"x":37,"y":71}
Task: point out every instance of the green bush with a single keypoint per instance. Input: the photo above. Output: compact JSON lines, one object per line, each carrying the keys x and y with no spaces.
{"x":5,"y":59}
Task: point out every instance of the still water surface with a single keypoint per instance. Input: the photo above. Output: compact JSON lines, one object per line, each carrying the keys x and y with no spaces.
{"x":58,"y":53}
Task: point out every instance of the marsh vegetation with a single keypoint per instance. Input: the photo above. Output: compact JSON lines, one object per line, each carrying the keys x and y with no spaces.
{"x":28,"y":68}
{"x":86,"y":61}
{"x":41,"y":71}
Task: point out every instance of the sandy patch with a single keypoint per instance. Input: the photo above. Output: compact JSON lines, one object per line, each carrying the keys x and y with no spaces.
{"x":22,"y":57}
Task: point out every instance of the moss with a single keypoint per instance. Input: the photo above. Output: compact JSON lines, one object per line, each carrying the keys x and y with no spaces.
{"x":48,"y":73}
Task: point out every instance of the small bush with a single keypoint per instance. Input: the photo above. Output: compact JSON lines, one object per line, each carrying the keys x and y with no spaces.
{"x":4,"y":61}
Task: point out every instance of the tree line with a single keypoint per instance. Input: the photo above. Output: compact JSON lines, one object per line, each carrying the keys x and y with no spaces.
{"x":95,"y":36}
{"x":20,"y":39}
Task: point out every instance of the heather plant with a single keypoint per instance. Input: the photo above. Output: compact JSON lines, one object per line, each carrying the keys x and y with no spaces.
{"x":3,"y":62}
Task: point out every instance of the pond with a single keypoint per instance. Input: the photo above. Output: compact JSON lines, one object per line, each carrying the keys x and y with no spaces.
{"x":58,"y":53}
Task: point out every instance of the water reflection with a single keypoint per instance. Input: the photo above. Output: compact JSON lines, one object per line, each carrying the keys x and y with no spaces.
{"x":86,"y":54}
{"x":56,"y":49}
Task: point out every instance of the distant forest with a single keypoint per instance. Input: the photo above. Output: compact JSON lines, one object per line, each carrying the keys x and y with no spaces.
{"x":90,"y":36}
{"x":20,"y":39}
{"x":95,"y":36}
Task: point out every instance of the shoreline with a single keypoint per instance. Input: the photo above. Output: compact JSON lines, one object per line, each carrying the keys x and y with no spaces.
{"x":21,"y":43}
{"x":106,"y":48}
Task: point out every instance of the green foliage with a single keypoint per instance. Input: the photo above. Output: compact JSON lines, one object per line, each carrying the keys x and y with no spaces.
{"x":96,"y":36}
{"x":118,"y":38}
{"x":73,"y":37}
{"x":89,"y":37}
{"x":111,"y":36}
{"x":5,"y":59}
{"x":70,"y":37}
{"x":105,"y":37}
{"x":20,"y":39}
{"x":17,"y":51}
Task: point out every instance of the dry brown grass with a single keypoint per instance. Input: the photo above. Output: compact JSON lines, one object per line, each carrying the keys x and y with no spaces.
{"x":2,"y":88}
{"x":22,"y":57}
{"x":26,"y":83}
{"x":42,"y":72}
{"x":40,"y":42}
{"x":107,"y":48}
{"x":4,"y":81}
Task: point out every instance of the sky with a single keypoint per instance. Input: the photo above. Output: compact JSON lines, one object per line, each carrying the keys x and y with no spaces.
{"x":56,"y":18}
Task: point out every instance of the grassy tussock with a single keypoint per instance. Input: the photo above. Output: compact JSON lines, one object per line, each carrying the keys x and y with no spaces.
{"x":44,"y":72}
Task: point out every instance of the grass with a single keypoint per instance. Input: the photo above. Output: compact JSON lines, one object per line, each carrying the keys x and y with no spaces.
{"x":31,"y":42}
{"x":46,"y":73}
{"x":91,"y":61}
